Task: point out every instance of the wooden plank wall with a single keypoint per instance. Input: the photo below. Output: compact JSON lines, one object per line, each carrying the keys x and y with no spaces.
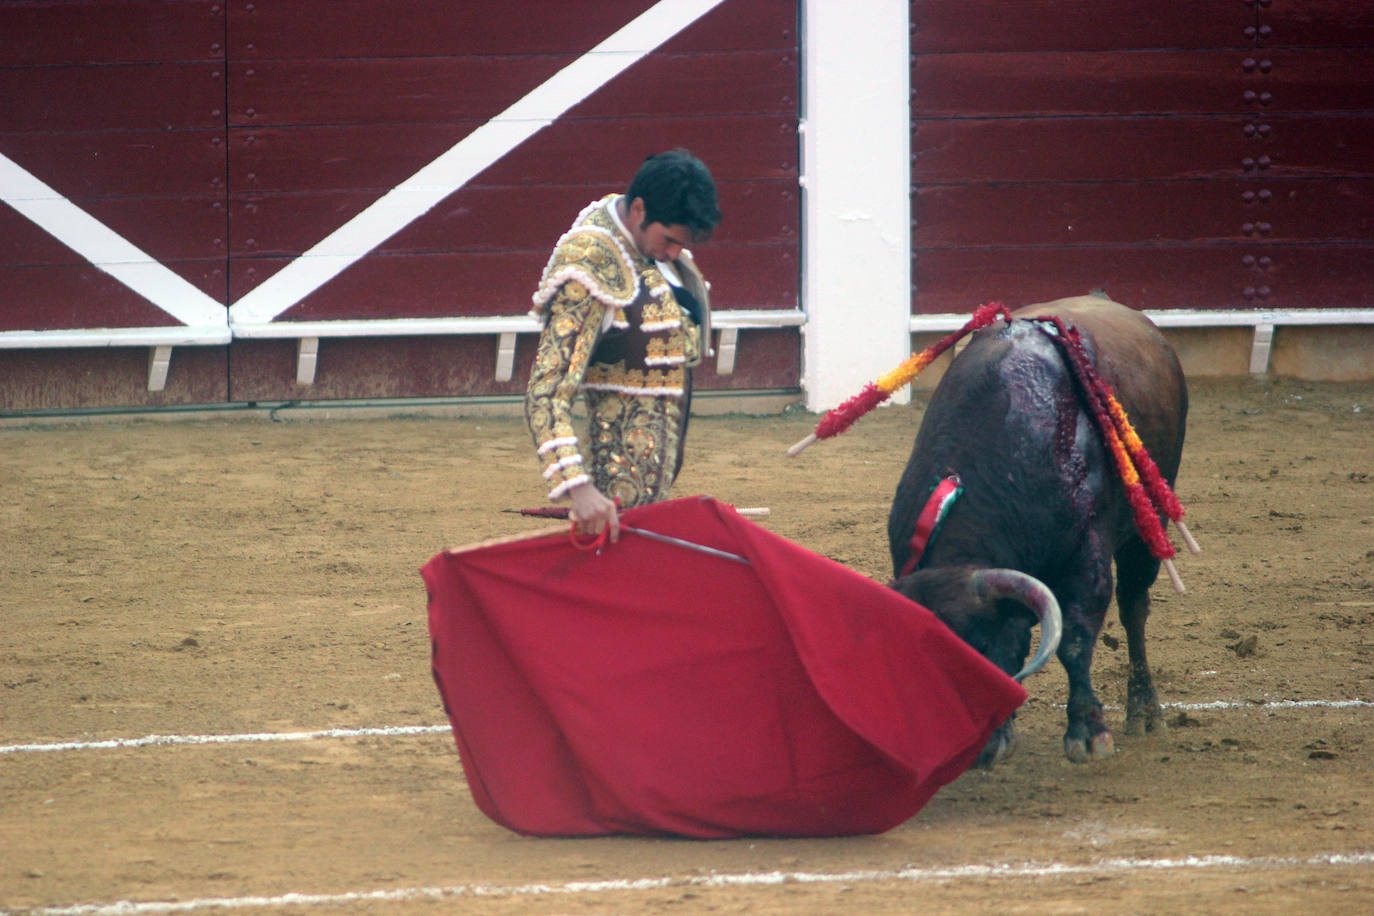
{"x":227,"y":138}
{"x":1178,"y":155}
{"x":329,"y":112}
{"x":120,"y":108}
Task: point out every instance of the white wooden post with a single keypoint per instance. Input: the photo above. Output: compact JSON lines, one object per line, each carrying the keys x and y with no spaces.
{"x":856,"y":214}
{"x":159,"y":361}
{"x":307,"y":358}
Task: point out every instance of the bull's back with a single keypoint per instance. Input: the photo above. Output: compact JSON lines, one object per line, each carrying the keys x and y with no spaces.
{"x":1133,"y":357}
{"x":1006,"y":398}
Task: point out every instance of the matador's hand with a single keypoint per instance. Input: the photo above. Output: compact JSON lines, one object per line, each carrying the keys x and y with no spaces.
{"x":593,"y":513}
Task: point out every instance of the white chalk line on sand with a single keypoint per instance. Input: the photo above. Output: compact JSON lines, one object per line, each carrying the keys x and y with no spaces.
{"x":168,"y":740}
{"x":1102,"y":867}
{"x":404,"y":730}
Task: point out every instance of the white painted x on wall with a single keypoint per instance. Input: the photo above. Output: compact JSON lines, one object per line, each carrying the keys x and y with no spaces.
{"x":402,"y":205}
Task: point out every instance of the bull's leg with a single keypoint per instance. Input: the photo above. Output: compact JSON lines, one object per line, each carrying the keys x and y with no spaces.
{"x":999,"y":746}
{"x":1136,"y":570}
{"x":1008,"y":651}
{"x":1087,"y":737}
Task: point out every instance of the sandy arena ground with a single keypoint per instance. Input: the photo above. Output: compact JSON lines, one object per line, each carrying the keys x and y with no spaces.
{"x":244,"y":577}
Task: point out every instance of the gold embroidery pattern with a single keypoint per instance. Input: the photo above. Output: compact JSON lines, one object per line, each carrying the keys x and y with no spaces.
{"x":638,"y":414}
{"x":565,"y":349}
{"x":595,"y":256}
{"x":663,"y":353}
{"x":651,"y":382}
{"x":636,"y":444}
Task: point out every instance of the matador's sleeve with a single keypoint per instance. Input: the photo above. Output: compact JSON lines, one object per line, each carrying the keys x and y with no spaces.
{"x":565,"y":349}
{"x":589,"y":279}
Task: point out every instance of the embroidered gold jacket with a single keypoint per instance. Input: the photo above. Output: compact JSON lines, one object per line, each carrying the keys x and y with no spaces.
{"x":612,"y":323}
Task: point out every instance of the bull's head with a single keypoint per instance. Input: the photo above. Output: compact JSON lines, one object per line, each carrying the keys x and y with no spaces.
{"x":991,"y":610}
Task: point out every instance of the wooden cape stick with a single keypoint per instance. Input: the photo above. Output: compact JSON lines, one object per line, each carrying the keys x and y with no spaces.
{"x":546,"y":531}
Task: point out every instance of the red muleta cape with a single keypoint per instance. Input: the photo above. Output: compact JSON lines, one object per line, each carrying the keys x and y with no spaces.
{"x":647,"y":688}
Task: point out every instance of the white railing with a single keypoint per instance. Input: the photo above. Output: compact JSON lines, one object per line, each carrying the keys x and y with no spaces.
{"x":727,"y":324}
{"x":506,"y":328}
{"x":1263,"y":323}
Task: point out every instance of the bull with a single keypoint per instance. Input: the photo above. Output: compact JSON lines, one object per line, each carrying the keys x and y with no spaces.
{"x":1041,"y":498}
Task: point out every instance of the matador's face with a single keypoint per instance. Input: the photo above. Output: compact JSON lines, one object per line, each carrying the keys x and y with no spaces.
{"x":663,"y":243}
{"x":656,"y":240}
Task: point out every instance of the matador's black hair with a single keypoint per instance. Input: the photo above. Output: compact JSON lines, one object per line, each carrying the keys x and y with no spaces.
{"x":678,"y":190}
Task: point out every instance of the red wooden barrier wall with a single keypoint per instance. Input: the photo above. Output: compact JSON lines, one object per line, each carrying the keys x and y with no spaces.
{"x":226,"y":139}
{"x":1181,"y":155}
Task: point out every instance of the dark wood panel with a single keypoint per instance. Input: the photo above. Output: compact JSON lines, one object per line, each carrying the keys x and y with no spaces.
{"x":425,"y":28}
{"x":332,"y":157}
{"x":382,"y":91}
{"x":49,"y":379}
{"x":1076,"y":25}
{"x":283,"y":224}
{"x":592,"y":152}
{"x":1326,"y":210}
{"x":758,"y":211}
{"x":82,"y":296}
{"x":165,"y":228}
{"x":1113,"y":82}
{"x":376,"y":367}
{"x":1314,"y":146}
{"x":1317,"y":23}
{"x":461,"y":365}
{"x":157,"y":97}
{"x":409,"y":285}
{"x":1097,"y":213}
{"x":764,"y":358}
{"x":1268,"y":276}
{"x":1311,"y":81}
{"x":489,"y":219}
{"x":1075,"y":213}
{"x":1142,"y":82}
{"x":444,"y":284}
{"x":1077,"y":149}
{"x":1107,"y":149}
{"x":1310,"y":276}
{"x":422,"y":90}
{"x":959,"y":280}
{"x":41,"y":33}
{"x":753,"y":276}
{"x":123,"y":163}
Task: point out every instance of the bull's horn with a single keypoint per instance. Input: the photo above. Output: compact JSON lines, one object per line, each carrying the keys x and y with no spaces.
{"x":1034,"y":594}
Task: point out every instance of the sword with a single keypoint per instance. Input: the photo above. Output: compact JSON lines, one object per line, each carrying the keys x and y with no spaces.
{"x":690,"y":545}
{"x":562,"y":511}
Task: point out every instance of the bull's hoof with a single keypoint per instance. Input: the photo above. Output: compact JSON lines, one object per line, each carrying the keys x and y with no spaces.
{"x":999,"y":747}
{"x":1097,"y":747}
{"x":1143,"y":718}
{"x":1142,"y":723}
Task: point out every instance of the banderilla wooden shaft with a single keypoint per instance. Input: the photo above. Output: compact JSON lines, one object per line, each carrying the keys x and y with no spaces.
{"x":796,"y":450}
{"x":1173,"y":576}
{"x":1187,"y":536}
